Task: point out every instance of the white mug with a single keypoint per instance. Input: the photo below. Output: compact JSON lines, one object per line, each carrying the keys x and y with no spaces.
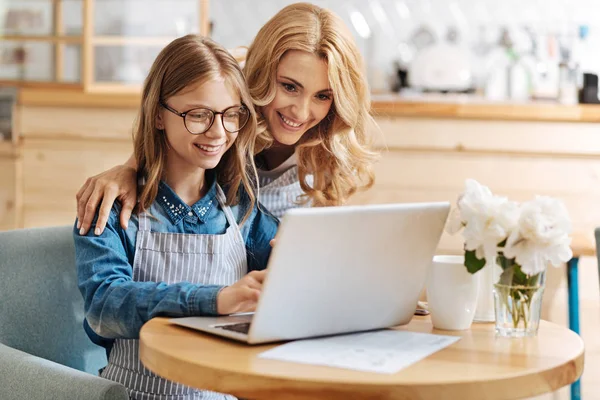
{"x":451,"y":293}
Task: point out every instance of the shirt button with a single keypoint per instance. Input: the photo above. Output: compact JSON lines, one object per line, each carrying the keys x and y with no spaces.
{"x":190,"y":214}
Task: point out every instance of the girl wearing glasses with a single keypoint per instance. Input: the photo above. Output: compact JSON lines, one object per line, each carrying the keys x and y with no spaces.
{"x":313,"y":145}
{"x":197,"y":244}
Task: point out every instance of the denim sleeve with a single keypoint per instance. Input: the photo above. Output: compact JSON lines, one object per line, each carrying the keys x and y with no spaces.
{"x":115,"y":305}
{"x":262,"y":228}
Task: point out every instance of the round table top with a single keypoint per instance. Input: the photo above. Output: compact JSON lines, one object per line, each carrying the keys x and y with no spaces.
{"x":479,"y":365}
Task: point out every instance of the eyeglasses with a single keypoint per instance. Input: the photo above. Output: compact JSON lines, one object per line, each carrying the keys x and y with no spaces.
{"x":199,"y":120}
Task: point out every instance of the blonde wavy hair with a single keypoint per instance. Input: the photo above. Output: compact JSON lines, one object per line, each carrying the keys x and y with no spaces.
{"x":186,"y":61}
{"x":338,"y":151}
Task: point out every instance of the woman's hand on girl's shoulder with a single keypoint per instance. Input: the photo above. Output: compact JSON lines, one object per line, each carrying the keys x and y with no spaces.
{"x":102,"y":190}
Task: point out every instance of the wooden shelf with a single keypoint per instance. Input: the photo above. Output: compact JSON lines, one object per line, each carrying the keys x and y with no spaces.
{"x":45,"y":39}
{"x":396,"y":106}
{"x":42,"y":85}
{"x":77,"y":98}
{"x":128,"y":95}
{"x":115,"y":88}
{"x":131,"y":41}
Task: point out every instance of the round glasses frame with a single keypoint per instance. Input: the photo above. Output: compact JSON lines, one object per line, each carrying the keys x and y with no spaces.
{"x":213,"y":113}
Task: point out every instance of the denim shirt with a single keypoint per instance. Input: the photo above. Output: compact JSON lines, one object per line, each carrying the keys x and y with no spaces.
{"x":115,"y":305}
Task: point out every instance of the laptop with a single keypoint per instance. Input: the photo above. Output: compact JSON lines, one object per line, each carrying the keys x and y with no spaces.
{"x":339,"y":270}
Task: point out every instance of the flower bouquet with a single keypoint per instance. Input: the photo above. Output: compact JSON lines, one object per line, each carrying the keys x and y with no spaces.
{"x":517,"y":242}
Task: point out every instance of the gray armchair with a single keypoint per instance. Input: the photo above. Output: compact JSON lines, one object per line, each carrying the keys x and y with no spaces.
{"x":44,"y":351}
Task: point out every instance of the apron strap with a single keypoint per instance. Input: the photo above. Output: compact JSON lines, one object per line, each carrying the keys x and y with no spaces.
{"x":228,"y":213}
{"x":226,"y":209}
{"x":143,"y":219}
{"x":144,"y":222}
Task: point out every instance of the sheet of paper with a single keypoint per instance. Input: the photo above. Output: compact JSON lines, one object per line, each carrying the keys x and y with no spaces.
{"x":386,"y":351}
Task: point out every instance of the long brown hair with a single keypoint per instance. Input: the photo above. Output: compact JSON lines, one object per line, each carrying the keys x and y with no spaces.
{"x":189,"y":60}
{"x":338,"y":152}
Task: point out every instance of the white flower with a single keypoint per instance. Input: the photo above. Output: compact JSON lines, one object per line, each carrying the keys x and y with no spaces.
{"x":487,"y":220}
{"x":541,"y":237}
{"x":454,"y":223}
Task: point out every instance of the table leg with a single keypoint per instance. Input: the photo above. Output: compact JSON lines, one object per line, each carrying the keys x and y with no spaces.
{"x":573,"y":282}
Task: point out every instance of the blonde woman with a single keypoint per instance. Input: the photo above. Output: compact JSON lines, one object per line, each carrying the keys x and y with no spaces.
{"x":198,"y":244}
{"x":313,"y":147}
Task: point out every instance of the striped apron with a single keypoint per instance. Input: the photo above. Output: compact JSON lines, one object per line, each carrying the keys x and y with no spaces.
{"x":172,"y":258}
{"x":280,"y":194}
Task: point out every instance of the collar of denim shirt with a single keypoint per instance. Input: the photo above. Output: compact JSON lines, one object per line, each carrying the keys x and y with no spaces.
{"x":177,"y":209}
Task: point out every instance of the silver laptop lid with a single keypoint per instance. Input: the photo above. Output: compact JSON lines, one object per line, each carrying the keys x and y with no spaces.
{"x":346,"y":269}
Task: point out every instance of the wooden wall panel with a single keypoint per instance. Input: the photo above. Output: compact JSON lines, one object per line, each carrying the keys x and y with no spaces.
{"x":53,"y":171}
{"x":10,"y":206}
{"x":574,"y":139}
{"x":432,"y":162}
{"x":76,"y":123}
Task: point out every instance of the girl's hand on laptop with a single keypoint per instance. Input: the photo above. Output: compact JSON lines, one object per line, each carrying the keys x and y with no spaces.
{"x":243,"y":295}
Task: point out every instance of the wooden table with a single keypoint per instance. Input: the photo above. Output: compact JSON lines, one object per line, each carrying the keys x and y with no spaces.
{"x":479,"y":366}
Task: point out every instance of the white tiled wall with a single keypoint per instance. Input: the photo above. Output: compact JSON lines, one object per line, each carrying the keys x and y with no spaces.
{"x":387,"y":25}
{"x":393,"y":22}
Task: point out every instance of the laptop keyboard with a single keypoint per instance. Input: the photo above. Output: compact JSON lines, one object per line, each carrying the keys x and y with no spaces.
{"x":241,"y":327}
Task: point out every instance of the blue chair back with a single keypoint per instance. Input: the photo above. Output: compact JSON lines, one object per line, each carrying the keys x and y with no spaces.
{"x":41,"y":308}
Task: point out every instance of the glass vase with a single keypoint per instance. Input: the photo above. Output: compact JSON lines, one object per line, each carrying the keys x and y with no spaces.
{"x":517,"y":300}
